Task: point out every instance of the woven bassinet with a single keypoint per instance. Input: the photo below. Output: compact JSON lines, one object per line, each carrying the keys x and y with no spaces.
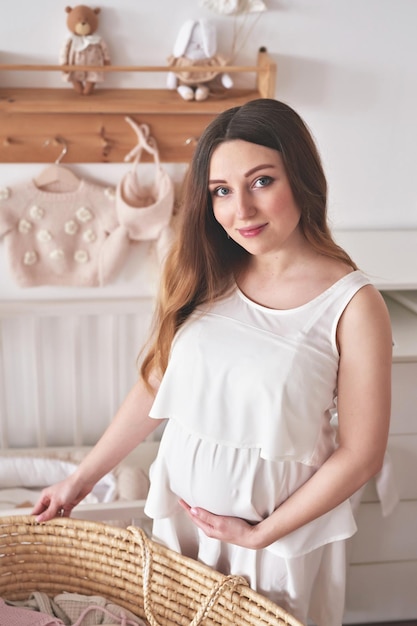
{"x":124,"y":566}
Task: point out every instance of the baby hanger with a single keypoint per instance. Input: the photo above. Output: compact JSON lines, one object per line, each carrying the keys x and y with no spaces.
{"x":57,"y":173}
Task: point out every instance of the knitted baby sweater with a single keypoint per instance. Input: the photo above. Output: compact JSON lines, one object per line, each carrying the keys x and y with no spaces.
{"x":62,"y":237}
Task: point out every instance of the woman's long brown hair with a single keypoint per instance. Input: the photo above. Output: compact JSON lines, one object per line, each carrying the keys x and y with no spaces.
{"x":203,"y":261}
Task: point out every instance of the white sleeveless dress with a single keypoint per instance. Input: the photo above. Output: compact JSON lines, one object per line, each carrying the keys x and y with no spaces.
{"x":250,"y":396}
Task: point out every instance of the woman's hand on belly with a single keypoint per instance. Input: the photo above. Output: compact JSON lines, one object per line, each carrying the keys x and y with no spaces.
{"x":223,"y":527}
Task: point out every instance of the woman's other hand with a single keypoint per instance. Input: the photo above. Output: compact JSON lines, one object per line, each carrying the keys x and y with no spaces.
{"x":59,"y":499}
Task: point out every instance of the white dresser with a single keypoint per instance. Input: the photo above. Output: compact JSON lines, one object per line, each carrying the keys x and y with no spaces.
{"x":382,"y":575}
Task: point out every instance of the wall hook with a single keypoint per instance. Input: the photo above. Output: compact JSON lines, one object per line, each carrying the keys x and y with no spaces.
{"x":58,"y":141}
{"x":105,"y":142}
{"x":64,"y":150}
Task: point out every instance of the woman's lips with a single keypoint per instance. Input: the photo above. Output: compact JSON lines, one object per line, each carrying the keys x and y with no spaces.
{"x":251,"y":231}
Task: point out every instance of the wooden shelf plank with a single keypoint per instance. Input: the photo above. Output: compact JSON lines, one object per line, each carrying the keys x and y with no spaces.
{"x":122,"y":101}
{"x":94,"y":128}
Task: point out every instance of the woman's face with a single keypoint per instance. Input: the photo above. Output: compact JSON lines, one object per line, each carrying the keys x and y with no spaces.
{"x":252,"y":198}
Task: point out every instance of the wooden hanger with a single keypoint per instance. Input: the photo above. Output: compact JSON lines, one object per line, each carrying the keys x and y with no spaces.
{"x":57,"y":173}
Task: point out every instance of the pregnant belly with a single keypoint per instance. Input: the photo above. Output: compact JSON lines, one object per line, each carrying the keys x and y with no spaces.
{"x":222,"y":479}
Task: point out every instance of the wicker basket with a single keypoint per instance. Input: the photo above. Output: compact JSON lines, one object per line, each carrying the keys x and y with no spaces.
{"x":127,"y":568}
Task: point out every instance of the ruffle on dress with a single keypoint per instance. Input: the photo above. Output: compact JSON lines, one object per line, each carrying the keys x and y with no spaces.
{"x":239,"y":483}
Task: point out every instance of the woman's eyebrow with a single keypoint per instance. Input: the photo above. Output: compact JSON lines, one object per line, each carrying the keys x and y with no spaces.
{"x":248,"y":173}
{"x":216,"y":181}
{"x":258,"y":167}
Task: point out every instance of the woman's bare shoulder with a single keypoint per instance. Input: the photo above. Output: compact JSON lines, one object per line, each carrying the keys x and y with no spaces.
{"x":365,"y":320}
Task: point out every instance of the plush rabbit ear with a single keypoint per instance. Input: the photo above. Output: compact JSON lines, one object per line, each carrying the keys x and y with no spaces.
{"x":208,"y":37}
{"x":183,"y":37}
{"x":208,"y":34}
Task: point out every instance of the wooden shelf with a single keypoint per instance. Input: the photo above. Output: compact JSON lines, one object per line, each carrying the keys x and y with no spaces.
{"x":94,"y":128}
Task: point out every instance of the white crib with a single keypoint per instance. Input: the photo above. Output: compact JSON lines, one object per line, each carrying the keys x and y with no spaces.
{"x":65,"y":367}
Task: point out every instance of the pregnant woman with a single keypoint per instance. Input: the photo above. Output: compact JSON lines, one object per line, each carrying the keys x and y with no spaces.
{"x":269,"y":362}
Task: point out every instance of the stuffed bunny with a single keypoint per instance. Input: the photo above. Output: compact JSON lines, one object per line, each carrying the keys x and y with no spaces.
{"x":196,"y":44}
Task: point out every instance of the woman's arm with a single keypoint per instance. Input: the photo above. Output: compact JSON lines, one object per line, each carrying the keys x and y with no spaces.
{"x":130,"y":426}
{"x":364,"y":406}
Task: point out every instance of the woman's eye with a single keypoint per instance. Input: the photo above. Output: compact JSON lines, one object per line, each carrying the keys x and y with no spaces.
{"x":220,"y":192}
{"x":263,"y":181}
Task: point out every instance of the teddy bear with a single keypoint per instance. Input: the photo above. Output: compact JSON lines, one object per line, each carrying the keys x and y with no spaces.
{"x":84,"y":47}
{"x":196,"y":44}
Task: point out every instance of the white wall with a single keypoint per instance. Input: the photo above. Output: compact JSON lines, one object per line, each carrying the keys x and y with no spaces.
{"x":347,"y":66}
